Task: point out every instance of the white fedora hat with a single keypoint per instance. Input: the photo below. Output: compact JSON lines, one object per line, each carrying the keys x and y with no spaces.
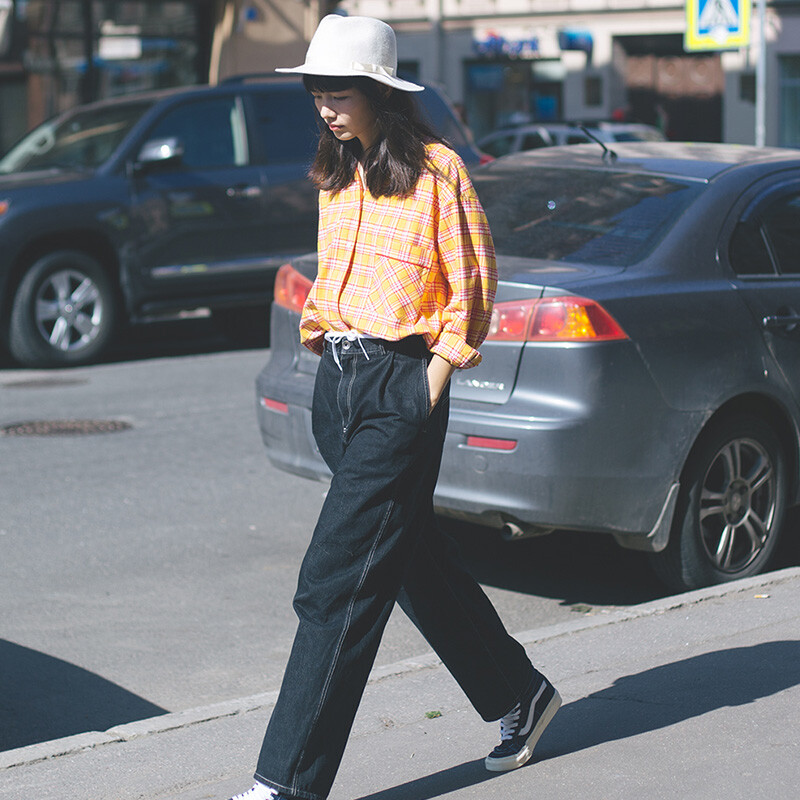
{"x":344,"y":46}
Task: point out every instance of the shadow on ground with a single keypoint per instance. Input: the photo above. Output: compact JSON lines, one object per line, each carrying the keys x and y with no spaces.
{"x":672,"y":693}
{"x":46,"y":698}
{"x":579,"y":568}
{"x":184,"y":337}
{"x":575,"y":568}
{"x":636,"y":704}
{"x":174,"y":338}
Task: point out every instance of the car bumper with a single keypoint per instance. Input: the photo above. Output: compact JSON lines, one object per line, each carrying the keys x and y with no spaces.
{"x":581,"y":468}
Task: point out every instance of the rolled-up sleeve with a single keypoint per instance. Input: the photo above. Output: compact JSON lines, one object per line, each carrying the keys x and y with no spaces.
{"x":467,"y":263}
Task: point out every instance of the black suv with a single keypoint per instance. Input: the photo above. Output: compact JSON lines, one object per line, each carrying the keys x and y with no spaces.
{"x":131,"y":209}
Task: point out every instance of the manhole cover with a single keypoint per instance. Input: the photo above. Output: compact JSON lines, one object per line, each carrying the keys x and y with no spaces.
{"x":64,"y":427}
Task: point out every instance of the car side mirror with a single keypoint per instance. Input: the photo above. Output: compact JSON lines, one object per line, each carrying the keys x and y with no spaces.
{"x":160,"y":151}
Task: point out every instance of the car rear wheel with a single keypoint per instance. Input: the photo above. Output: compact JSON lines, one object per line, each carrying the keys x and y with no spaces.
{"x":63,"y":311}
{"x":730,"y":509}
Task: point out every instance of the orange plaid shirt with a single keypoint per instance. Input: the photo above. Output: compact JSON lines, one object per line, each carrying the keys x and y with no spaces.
{"x":393,"y":267}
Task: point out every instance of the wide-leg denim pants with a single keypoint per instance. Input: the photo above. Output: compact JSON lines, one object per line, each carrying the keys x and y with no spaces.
{"x":377,"y":542}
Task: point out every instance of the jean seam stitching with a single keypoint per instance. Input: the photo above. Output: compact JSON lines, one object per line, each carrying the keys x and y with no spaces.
{"x":427,"y":393}
{"x":349,"y":397}
{"x":338,"y":397}
{"x":346,"y":628}
{"x":281,"y":788}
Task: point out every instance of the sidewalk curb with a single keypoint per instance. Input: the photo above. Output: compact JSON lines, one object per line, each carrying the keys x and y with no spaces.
{"x":656,"y":606}
{"x":69,"y":745}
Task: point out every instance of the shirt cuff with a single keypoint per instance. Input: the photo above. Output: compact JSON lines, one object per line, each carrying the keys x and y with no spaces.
{"x":454,"y":349}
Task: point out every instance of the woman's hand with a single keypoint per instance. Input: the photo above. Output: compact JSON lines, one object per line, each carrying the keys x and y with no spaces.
{"x":439,"y":372}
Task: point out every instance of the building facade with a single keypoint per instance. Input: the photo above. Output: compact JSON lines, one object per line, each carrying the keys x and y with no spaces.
{"x":502,"y":61}
{"x":57,"y":53}
{"x":507,"y":61}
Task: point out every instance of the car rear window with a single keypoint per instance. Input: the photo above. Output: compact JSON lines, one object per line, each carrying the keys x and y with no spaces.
{"x":583,"y":216}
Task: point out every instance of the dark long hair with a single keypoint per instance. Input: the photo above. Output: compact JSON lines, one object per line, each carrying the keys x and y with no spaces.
{"x":393,"y":165}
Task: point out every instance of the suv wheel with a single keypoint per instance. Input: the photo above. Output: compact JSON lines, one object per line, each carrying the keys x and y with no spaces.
{"x":63,"y":311}
{"x":731,"y":507}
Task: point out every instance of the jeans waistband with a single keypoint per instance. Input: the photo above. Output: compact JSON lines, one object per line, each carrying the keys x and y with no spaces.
{"x":370,"y":345}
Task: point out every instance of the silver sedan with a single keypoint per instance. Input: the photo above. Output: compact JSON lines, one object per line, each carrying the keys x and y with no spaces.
{"x":642,"y":374}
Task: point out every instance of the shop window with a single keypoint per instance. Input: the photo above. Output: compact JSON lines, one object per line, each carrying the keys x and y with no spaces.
{"x":789,"y":67}
{"x":593,"y":90}
{"x":7,"y":30}
{"x":408,"y":70}
{"x":547,"y":77}
{"x":513,"y":92}
{"x":136,"y":45}
{"x":747,"y":87}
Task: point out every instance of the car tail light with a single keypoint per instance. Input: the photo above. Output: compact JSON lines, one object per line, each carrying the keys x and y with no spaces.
{"x":491,"y":444}
{"x":553,"y":319}
{"x":485,"y":158}
{"x":275,"y":405}
{"x":291,"y":288}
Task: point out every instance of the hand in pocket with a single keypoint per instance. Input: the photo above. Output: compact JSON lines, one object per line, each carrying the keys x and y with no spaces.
{"x":439,"y":373}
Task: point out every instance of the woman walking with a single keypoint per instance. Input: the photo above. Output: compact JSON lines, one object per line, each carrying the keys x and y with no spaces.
{"x":402,"y":299}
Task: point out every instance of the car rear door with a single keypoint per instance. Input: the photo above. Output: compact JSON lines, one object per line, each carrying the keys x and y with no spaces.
{"x":764,"y":253}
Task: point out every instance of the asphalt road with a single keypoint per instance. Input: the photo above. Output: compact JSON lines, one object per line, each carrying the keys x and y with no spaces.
{"x":151,"y":569}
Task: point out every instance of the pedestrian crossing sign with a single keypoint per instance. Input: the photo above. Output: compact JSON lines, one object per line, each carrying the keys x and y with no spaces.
{"x":717,"y":24}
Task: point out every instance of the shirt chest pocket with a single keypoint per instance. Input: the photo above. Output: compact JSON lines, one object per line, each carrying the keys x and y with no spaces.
{"x":400,"y":278}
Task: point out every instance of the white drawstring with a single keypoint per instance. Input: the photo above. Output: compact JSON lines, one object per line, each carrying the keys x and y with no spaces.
{"x":335,"y":338}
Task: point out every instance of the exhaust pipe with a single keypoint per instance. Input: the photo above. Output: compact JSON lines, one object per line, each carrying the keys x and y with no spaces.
{"x":513,"y":531}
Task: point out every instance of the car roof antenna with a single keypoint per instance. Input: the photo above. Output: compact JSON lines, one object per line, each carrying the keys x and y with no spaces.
{"x":608,"y":154}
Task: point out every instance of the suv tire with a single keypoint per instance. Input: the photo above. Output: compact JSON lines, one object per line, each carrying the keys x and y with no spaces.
{"x":63,"y":312}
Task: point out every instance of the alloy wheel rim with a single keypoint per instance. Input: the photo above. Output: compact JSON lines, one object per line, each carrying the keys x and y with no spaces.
{"x":737,"y":505}
{"x":68,"y":310}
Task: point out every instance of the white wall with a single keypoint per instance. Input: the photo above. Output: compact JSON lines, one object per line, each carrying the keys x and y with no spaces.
{"x":787,"y":42}
{"x":415,"y":23}
{"x":738,"y":115}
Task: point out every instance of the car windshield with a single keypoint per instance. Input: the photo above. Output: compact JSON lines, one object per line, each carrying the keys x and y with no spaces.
{"x":582,"y":216}
{"x":83,"y":140}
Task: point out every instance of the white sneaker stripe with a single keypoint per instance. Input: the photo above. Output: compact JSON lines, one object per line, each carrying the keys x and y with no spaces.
{"x":531,"y":710}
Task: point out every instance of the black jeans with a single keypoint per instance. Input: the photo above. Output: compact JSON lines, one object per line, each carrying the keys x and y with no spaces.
{"x":377,"y":542}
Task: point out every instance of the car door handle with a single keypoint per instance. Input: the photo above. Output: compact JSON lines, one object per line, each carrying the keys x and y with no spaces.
{"x":242,"y":192}
{"x":787,"y":321}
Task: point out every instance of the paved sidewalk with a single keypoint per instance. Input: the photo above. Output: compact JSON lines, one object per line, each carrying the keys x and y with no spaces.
{"x":694,"y":696}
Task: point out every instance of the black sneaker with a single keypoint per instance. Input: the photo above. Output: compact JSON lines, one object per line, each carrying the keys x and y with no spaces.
{"x":521,"y":728}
